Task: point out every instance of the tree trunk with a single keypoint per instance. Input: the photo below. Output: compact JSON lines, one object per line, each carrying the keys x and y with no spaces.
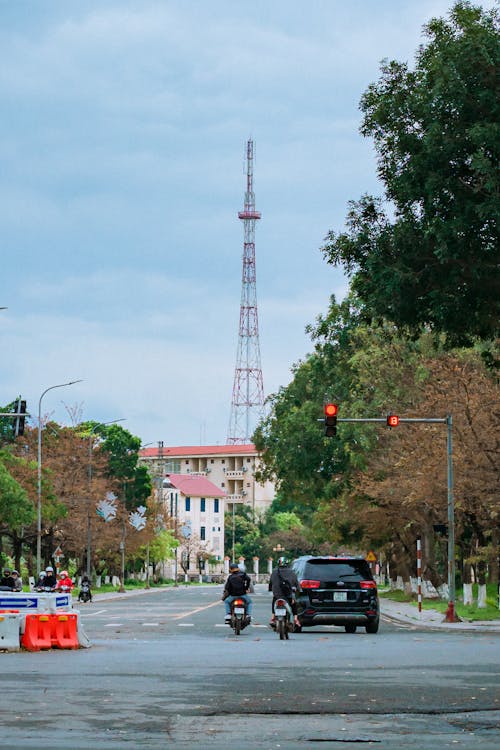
{"x":481,"y":579}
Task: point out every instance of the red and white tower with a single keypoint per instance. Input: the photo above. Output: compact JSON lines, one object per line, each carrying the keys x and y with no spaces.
{"x":247,"y":405}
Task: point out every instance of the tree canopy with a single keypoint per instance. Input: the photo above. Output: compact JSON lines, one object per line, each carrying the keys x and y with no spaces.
{"x":427,"y":253}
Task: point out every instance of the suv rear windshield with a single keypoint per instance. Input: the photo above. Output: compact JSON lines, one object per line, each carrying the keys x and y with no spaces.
{"x":337,"y":570}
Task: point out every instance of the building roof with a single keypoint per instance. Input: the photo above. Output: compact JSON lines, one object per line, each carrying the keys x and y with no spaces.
{"x":194,"y":486}
{"x":199,"y":450}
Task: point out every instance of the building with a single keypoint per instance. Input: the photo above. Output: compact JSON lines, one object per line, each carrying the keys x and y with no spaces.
{"x":196,"y":506}
{"x":230,"y":467}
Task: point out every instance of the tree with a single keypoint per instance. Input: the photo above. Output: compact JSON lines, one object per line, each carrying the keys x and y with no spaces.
{"x":16,"y":509}
{"x":429,"y":257}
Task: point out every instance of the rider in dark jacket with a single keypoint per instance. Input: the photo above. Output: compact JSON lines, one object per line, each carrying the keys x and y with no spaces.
{"x":236,"y":586}
{"x":7,"y":580}
{"x":283,"y":583}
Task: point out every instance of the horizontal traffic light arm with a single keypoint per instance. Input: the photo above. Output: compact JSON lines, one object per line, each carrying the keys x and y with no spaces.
{"x":401,"y":419}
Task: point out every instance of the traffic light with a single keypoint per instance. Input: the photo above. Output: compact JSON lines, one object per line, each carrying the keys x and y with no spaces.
{"x":392,"y":420}
{"x":20,"y":409}
{"x":330,"y":412}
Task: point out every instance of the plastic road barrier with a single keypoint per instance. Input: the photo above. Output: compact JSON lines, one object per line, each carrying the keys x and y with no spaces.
{"x":64,"y":630}
{"x":10,"y":623}
{"x":36,"y":602}
{"x":37,"y":632}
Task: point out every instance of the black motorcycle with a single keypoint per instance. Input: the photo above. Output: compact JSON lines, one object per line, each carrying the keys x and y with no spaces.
{"x":239,"y":617}
{"x":85,"y":594}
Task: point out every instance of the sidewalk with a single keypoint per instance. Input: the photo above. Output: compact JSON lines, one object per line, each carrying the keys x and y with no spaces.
{"x":408,"y":614}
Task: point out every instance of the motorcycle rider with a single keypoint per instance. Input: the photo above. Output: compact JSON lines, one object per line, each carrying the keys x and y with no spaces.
{"x":236,"y":587}
{"x":18,"y":583}
{"x":85,"y":592}
{"x":50,"y":578}
{"x":64,"y":583}
{"x":40,"y":582}
{"x":7,"y":581}
{"x":283,"y":583}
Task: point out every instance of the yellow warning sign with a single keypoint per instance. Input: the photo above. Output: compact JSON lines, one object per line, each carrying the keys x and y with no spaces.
{"x":371,"y":557}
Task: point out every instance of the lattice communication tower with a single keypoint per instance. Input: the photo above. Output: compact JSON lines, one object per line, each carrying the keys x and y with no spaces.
{"x":247,"y":405}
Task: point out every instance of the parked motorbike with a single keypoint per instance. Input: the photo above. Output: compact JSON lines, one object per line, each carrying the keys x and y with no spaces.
{"x":239,"y":617}
{"x":85,"y":594}
{"x":283,"y":622}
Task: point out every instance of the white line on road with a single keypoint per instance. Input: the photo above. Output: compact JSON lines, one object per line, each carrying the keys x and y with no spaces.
{"x":150,"y":624}
{"x":113,"y":625}
{"x":93,"y":614}
{"x":185,"y":624}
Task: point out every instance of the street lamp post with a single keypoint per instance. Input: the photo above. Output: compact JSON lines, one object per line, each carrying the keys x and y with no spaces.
{"x":89,"y":518}
{"x":39,"y":475}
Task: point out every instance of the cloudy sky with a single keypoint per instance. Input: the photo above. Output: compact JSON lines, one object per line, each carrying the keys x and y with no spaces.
{"x":122,"y":135}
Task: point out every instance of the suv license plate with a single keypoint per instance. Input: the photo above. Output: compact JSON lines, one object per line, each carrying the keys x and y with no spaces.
{"x":239,"y":611}
{"x":340,"y":596}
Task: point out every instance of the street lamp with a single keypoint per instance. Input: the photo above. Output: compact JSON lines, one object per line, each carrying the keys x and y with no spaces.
{"x":39,"y":483}
{"x":89,"y":521}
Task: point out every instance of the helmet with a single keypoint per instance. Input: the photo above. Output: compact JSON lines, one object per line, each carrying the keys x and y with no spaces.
{"x":49,"y":569}
{"x":6,"y":571}
{"x":15,"y":573}
{"x":282,"y":562}
{"x":234,"y":566}
{"x":42,"y":574}
{"x":64,"y":573}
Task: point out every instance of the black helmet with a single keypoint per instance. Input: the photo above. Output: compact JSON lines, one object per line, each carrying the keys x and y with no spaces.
{"x":234,"y":566}
{"x":282,"y":562}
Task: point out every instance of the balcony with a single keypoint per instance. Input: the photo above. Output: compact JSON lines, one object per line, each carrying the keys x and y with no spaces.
{"x":237,"y":474}
{"x":234,"y":498}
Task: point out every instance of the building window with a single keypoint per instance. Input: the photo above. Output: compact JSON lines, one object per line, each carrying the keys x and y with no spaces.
{"x":223,"y":461}
{"x":187,"y":463}
{"x":216,"y":505}
{"x":222,"y":484}
{"x":188,"y":503}
{"x":248,"y":484}
{"x":212,"y":461}
{"x":248,"y":460}
{"x":203,"y":504}
{"x":202,"y":533}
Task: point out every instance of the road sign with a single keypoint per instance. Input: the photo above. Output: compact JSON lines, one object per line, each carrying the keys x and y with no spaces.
{"x":371,"y":557}
{"x":58,"y":552}
{"x":19,"y":603}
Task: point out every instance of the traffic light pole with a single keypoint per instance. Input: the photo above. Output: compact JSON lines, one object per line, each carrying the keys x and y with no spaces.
{"x":448,"y":421}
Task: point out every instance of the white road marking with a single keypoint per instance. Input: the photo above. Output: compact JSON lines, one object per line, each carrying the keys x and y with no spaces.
{"x":185,"y":624}
{"x":113,"y":625}
{"x":93,"y":614}
{"x":150,"y":624}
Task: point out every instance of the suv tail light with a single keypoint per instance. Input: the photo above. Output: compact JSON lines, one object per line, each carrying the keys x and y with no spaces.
{"x":368,"y":584}
{"x":307,"y":584}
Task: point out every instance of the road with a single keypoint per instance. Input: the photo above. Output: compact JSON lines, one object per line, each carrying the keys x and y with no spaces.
{"x":164,"y":671}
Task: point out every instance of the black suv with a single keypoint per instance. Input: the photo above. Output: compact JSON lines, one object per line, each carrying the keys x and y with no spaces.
{"x":336,"y":591}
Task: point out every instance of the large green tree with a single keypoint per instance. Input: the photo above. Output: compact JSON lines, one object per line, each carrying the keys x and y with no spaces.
{"x":427,"y":253}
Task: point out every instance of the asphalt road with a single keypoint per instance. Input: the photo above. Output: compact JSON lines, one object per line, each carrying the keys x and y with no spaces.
{"x":164,"y":671}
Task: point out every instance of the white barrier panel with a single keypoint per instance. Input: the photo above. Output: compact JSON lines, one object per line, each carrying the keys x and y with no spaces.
{"x":83,"y":639}
{"x":9,"y":631}
{"x":35,"y":602}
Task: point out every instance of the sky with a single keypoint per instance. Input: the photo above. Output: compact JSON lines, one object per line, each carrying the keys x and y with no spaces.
{"x":123,"y":128}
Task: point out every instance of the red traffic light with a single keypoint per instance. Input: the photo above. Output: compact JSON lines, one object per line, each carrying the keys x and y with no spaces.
{"x":331,"y":410}
{"x":392,"y":420}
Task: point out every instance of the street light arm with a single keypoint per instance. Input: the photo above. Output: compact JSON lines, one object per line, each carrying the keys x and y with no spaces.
{"x":39,"y":473}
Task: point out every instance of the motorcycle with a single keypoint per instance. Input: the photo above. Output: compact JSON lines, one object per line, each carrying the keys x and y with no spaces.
{"x":239,"y":617}
{"x":283,"y":618}
{"x":85,"y":593}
